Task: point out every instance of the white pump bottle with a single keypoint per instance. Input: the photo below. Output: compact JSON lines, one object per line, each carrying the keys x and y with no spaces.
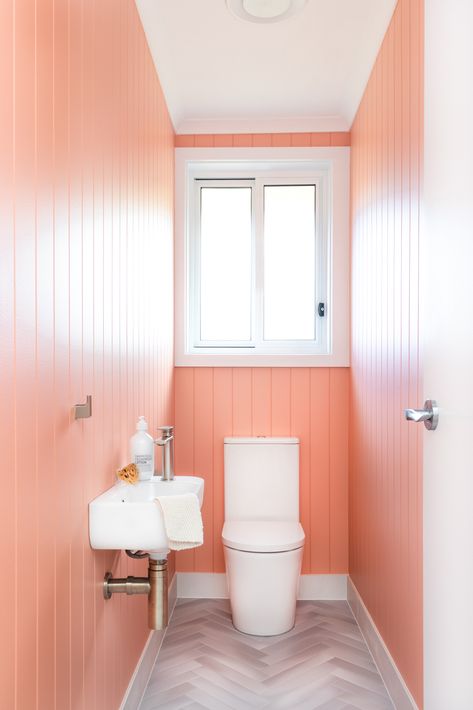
{"x":142,"y":450}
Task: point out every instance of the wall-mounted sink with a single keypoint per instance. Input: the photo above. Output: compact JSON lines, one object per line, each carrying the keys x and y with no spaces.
{"x":126,"y":517}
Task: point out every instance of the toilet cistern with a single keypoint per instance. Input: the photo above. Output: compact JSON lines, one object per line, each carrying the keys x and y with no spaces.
{"x":263,"y":540}
{"x":167,"y":442}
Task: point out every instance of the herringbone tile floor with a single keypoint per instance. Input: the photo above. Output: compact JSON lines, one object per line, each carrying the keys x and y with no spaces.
{"x":322,"y":664}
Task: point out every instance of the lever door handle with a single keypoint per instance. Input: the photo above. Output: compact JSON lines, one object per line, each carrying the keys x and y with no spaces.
{"x":418,"y":415}
{"x":429,"y":414}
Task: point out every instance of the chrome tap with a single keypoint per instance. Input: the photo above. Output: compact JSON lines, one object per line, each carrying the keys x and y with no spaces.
{"x":167,"y":442}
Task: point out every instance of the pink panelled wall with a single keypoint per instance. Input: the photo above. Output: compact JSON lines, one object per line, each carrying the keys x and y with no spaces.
{"x":385,"y":461}
{"x":263,"y":140}
{"x":311,"y":403}
{"x":86,"y":187}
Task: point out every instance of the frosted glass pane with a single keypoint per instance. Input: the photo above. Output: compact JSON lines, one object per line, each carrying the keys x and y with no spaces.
{"x":289,"y":262}
{"x":225,"y":263}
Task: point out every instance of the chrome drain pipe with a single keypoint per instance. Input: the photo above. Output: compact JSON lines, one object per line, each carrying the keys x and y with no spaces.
{"x":155,"y":585}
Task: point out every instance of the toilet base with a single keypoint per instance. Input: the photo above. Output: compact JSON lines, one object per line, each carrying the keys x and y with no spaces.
{"x":263,"y":588}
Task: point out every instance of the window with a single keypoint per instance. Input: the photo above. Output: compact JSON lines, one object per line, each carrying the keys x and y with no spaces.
{"x":255,"y":263}
{"x":258,"y":261}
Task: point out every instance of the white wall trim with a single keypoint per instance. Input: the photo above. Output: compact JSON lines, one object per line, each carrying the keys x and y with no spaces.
{"x":206,"y":585}
{"x":271,"y":124}
{"x":139,"y":680}
{"x":331,"y":587}
{"x":201,"y":585}
{"x":393,"y":680}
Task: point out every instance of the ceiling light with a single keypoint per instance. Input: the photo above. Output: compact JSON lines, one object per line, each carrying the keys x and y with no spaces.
{"x":264,"y":10}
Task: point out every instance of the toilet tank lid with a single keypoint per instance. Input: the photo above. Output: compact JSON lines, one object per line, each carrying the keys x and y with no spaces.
{"x":261,"y":440}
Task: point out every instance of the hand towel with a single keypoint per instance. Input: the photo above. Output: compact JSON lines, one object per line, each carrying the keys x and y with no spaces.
{"x":182,"y":520}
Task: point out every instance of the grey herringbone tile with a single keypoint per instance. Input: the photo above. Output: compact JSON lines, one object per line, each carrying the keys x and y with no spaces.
{"x":321,"y":664}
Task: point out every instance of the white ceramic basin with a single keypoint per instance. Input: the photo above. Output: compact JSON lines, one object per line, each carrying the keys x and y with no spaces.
{"x":126,"y":517}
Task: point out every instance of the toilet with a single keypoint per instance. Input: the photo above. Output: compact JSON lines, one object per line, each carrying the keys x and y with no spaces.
{"x":262,"y":536}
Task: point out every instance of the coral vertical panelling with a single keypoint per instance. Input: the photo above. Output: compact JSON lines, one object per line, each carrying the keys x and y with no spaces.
{"x":86,"y":254}
{"x":311,"y":403}
{"x":262,"y":140}
{"x":385,"y":451}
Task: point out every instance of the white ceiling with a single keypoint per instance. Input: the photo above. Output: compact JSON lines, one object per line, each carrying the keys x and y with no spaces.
{"x":223,"y":75}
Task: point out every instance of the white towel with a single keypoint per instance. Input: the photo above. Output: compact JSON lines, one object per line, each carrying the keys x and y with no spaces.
{"x":182,"y":520}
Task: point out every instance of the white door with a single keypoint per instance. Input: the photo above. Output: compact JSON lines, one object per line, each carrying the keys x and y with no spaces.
{"x":447,"y":335}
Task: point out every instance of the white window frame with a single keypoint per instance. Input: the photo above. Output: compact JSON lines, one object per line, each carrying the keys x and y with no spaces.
{"x":328,"y":169}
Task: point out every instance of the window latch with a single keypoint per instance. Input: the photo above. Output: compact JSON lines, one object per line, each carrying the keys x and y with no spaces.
{"x":321,"y":309}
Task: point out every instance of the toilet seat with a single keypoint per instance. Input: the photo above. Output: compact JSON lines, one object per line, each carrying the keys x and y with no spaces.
{"x":263,"y":535}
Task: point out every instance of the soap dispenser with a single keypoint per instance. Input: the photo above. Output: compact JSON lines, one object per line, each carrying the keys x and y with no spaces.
{"x":142,"y":450}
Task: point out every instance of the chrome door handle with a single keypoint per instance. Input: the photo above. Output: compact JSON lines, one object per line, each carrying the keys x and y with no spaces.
{"x":429,"y":415}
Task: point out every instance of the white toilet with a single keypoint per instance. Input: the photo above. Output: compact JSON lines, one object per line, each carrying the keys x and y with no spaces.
{"x":262,"y":536}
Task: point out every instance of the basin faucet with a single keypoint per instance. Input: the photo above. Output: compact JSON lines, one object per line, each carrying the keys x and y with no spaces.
{"x":167,"y":442}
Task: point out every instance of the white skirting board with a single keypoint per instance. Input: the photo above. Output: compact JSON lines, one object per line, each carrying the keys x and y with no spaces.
{"x":206,"y":585}
{"x":140,"y":677}
{"x":330,"y":587}
{"x":394,"y":682}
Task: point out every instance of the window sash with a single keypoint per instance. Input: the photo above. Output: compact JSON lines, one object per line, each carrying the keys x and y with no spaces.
{"x":307,"y":303}
{"x":195,"y":272}
{"x":257,"y":343}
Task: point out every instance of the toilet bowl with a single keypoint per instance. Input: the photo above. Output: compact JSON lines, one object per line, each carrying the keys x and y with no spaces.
{"x":263,"y":563}
{"x":262,"y":536}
